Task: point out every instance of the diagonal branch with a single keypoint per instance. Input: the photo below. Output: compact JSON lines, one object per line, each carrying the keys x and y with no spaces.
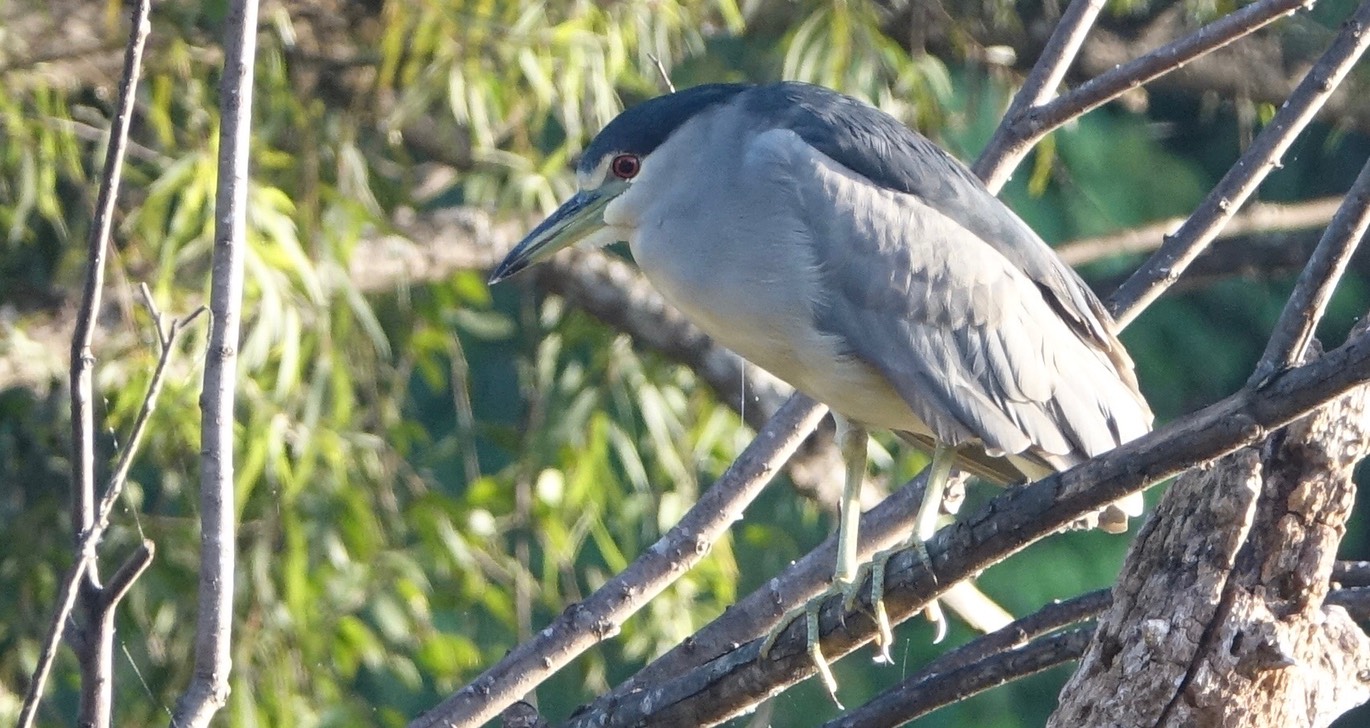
{"x":1180,"y":249}
{"x":1008,"y":655}
{"x":1319,"y":279}
{"x":909,"y":700}
{"x":1018,"y":517}
{"x":94,"y":647}
{"x":1020,"y":132}
{"x":600,"y":615}
{"x":1005,"y":150}
{"x":90,"y":539}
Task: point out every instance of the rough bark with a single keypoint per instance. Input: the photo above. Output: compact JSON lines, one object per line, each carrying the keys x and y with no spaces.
{"x":1219,"y":618}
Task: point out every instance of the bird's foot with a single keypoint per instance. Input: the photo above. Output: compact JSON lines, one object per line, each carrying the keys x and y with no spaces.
{"x":884,"y":637}
{"x":809,"y":611}
{"x":876,"y":568}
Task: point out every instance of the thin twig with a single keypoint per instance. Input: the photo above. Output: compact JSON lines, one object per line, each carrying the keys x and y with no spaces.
{"x":1002,"y":153}
{"x":122,"y":579}
{"x":90,"y":538}
{"x":1036,"y":122}
{"x":208,"y":688}
{"x":1180,"y":249}
{"x":665,"y":77}
{"x":582,"y":625}
{"x":1260,"y":217}
{"x":94,"y":648}
{"x":1306,"y":304}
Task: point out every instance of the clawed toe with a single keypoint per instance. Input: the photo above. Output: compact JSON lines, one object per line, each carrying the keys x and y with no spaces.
{"x":851,"y":592}
{"x":810,"y":613}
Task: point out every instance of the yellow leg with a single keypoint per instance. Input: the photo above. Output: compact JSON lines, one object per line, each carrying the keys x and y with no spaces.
{"x":924,"y":527}
{"x":852,"y":438}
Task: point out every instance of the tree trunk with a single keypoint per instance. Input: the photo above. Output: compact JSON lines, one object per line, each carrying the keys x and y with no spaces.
{"x":1218,"y":618}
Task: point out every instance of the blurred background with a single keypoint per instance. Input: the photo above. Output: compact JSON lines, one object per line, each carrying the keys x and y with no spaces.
{"x":429,"y":470}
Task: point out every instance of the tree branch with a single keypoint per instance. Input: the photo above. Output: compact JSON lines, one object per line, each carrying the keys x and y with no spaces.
{"x":1018,"y":133}
{"x":1008,"y":655}
{"x":1179,"y":250}
{"x":582,"y":625}
{"x":208,"y":688}
{"x":1260,"y":217}
{"x":109,"y":595}
{"x":1004,"y":151}
{"x":1319,"y":279}
{"x":909,"y":700}
{"x":1224,"y":590}
{"x":96,"y":628}
{"x":1011,"y":521}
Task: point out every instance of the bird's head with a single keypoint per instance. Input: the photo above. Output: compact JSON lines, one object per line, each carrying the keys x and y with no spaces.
{"x":617,"y":157}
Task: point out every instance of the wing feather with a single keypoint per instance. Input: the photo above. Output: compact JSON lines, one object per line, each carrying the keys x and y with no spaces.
{"x":891,"y":156}
{"x":974,"y":345}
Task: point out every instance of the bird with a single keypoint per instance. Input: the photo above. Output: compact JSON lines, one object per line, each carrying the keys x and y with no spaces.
{"x":826,"y":242}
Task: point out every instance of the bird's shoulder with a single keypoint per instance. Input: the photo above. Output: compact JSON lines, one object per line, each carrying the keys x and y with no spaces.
{"x":887,"y":154}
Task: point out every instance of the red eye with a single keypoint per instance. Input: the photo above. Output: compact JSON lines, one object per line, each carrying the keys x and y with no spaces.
{"x":626,"y":166}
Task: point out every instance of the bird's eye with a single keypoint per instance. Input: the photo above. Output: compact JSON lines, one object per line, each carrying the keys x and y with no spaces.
{"x":626,"y":166}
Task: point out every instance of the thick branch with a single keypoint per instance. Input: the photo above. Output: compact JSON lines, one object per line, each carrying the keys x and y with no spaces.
{"x":1219,"y":616}
{"x":1021,"y":515}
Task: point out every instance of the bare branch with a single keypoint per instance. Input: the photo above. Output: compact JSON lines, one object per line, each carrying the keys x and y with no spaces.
{"x":1205,"y":638}
{"x":123,"y":577}
{"x":1048,"y":619}
{"x":1018,"y":517}
{"x":1260,"y":217}
{"x":110,"y":595}
{"x":1019,"y":133}
{"x":1003,"y":153}
{"x":1306,"y":304}
{"x":909,"y":699}
{"x":882,"y":527}
{"x":993,"y":660}
{"x":1351,"y":573}
{"x":94,"y":648}
{"x":599,"y":616}
{"x":1179,"y":250}
{"x":208,"y":688}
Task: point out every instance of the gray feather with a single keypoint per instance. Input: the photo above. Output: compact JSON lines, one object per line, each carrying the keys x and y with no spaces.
{"x":971,"y":341}
{"x":890,"y":155}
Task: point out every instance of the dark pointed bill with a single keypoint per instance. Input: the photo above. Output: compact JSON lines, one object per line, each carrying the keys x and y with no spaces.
{"x":576,"y":218}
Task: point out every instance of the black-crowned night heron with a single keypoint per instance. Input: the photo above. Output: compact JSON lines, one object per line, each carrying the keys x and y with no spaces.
{"x":827,"y":243}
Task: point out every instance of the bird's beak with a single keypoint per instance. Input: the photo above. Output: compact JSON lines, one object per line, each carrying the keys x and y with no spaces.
{"x":577,"y":218}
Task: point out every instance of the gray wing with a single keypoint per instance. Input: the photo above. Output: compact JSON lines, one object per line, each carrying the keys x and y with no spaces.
{"x":969,"y":339}
{"x":879,"y":148}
